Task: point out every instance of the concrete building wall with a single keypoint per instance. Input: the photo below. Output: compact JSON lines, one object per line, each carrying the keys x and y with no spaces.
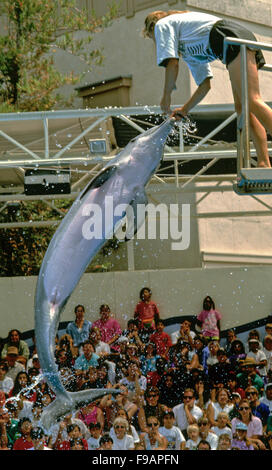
{"x":127,"y":53}
{"x":242,"y":294}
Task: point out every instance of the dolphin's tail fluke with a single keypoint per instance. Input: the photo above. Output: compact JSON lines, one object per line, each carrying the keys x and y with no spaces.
{"x":63,"y":405}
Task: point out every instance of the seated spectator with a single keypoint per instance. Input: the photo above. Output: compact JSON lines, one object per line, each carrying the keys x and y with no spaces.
{"x":14,"y":367}
{"x":221,"y":371}
{"x":3,"y":430}
{"x":58,"y":431}
{"x":230,"y":337}
{"x":39,"y":439}
{"x":15,"y":340}
{"x":152,"y":439}
{"x":101,"y":348}
{"x":74,"y":432}
{"x":146,"y":311}
{"x":223,"y":425}
{"x":187,"y":412}
{"x":34,"y":362}
{"x":224,"y":442}
{"x":124,"y":403}
{"x":258,"y":408}
{"x":63,"y":359}
{"x":134,"y":381}
{"x":236,"y":353}
{"x":88,"y":359}
{"x":79,"y":328}
{"x":90,"y":379}
{"x":106,"y":442}
{"x":148,"y":359}
{"x":240,"y":440}
{"x":184,"y":357}
{"x":249,"y":376}
{"x":206,"y":434}
{"x":131,"y":431}
{"x":193,"y":437}
{"x":202,"y":391}
{"x":209,"y":320}
{"x":253,"y":334}
{"x":267,"y":349}
{"x":260,"y":358}
{"x":77,"y":444}
{"x":161,"y":339}
{"x":171,"y":432}
{"x":96,"y":434}
{"x":151,"y":407}
{"x":204,"y":445}
{"x":233,"y":388}
{"x":109,"y":328}
{"x":184,"y":333}
{"x":22,"y":381}
{"x":222,"y":403}
{"x":202,"y":352}
{"x":66,"y":342}
{"x":103,"y":378}
{"x":6,"y":383}
{"x":91,"y":413}
{"x":169,"y":395}
{"x":212,"y":359}
{"x":121,"y":439}
{"x":267,"y":399}
{"x":253,"y":423}
{"x":24,"y":442}
{"x":133,"y":354}
{"x":132,"y":333}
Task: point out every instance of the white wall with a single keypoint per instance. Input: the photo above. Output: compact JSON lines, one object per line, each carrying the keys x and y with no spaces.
{"x":242,"y":294}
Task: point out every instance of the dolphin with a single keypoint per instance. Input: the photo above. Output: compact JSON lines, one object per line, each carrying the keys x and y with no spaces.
{"x":74,"y":245}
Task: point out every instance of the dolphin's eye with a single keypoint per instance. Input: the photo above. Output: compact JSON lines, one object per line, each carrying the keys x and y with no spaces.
{"x":100,"y":179}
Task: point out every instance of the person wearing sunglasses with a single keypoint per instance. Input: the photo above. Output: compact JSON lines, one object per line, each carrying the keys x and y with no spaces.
{"x":261,"y":410}
{"x":205,"y":433}
{"x":152,"y":439}
{"x":253,"y":423}
{"x":121,"y":439}
{"x":187,"y":412}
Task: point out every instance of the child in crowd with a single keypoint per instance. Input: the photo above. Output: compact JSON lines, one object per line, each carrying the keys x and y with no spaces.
{"x":194,"y":437}
{"x":240,"y":440}
{"x":223,"y":425}
{"x":172,"y":433}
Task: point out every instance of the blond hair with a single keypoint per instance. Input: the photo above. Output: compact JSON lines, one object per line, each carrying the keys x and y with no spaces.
{"x":155,"y":16}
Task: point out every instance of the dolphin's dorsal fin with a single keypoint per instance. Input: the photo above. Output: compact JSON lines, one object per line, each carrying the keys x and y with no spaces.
{"x":100,"y":179}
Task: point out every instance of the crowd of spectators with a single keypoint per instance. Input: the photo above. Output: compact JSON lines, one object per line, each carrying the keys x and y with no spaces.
{"x":185,"y":390}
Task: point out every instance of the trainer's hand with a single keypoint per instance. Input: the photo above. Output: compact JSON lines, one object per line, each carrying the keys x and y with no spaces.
{"x":179,"y":113}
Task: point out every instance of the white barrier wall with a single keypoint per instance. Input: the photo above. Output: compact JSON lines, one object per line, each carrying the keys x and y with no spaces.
{"x":242,"y":294}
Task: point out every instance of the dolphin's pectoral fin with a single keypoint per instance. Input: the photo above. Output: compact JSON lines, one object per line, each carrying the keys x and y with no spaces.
{"x":139,"y":214}
{"x":100,"y":179}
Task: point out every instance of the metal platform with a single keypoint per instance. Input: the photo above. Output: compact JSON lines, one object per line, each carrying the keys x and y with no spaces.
{"x":254,"y":181}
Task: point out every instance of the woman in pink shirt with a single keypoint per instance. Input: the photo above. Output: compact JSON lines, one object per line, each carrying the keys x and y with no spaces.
{"x":209,"y":320}
{"x":109,"y":328}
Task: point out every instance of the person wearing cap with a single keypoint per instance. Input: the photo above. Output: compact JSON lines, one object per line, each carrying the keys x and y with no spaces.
{"x":15,"y":339}
{"x":249,"y":375}
{"x":240,"y":440}
{"x":14,"y":367}
{"x":258,"y":355}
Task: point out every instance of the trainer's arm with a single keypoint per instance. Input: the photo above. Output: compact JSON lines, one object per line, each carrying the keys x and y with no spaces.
{"x":171,"y":74}
{"x":196,"y":97}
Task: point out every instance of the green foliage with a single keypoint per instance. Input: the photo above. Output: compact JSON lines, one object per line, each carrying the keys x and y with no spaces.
{"x":22,"y":249}
{"x":33,"y":34}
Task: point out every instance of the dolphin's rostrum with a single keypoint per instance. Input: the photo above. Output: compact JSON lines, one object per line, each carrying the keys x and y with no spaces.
{"x":69,"y":253}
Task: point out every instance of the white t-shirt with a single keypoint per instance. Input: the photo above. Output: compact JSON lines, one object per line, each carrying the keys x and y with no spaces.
{"x":123,"y":444}
{"x":192,"y":445}
{"x":187,"y":34}
{"x":218,"y":431}
{"x":180,"y":415}
{"x":6,"y":385}
{"x":93,"y":444}
{"x":174,"y":436}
